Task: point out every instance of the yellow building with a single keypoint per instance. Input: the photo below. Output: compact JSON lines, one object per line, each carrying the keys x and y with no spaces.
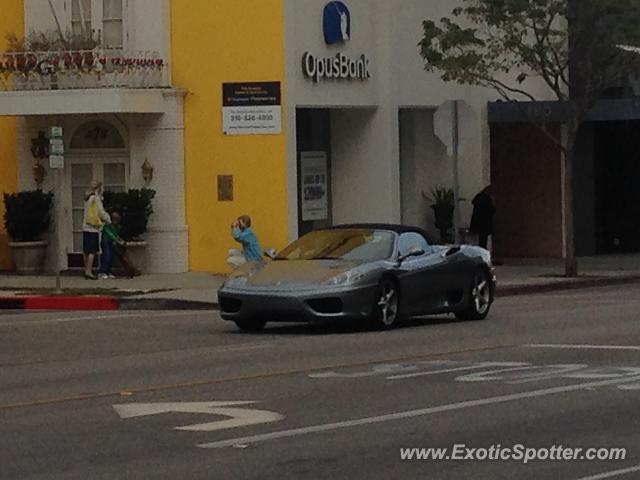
{"x":11,"y":20}
{"x":248,"y":46}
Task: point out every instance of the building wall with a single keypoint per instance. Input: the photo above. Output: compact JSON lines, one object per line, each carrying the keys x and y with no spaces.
{"x":11,"y":20}
{"x":388,"y":32}
{"x":214,"y":43}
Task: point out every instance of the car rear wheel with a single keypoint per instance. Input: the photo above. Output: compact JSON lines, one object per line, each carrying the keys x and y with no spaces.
{"x":386,"y":311}
{"x":251,"y":325}
{"x":479,"y":296}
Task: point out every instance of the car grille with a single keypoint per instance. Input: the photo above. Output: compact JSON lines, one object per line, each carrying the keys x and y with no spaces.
{"x":325,"y":305}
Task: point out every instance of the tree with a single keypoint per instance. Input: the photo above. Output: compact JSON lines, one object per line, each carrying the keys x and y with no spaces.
{"x":578,"y":48}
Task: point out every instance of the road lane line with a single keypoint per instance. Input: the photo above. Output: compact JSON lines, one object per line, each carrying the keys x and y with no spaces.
{"x":458,"y":369}
{"x":413,"y":413}
{"x":242,"y":378}
{"x":615,"y":473}
{"x":585,"y":347}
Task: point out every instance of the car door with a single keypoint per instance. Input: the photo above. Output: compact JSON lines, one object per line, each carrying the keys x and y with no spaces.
{"x":420,"y":276}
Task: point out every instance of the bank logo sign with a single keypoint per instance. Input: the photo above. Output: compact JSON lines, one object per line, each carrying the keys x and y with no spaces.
{"x":337,"y":31}
{"x":337,"y":23}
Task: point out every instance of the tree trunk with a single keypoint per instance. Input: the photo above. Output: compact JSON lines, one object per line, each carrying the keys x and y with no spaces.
{"x":570,"y":261}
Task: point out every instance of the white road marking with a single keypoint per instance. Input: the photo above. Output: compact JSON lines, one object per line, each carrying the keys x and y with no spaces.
{"x":414,"y":413}
{"x":615,"y":473}
{"x":458,"y":369}
{"x":386,"y":368}
{"x":585,"y":347}
{"x":240,"y":417}
{"x":52,"y":321}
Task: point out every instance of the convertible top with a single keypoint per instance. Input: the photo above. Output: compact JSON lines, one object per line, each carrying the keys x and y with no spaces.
{"x":389,"y":227}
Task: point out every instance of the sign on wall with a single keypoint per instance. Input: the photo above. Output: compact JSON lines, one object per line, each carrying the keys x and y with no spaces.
{"x":313,"y":186}
{"x":252,"y":108}
{"x":336,"y":24}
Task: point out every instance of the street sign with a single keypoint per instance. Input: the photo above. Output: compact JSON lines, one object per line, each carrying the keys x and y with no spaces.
{"x":238,"y":417}
{"x":56,"y":161}
{"x":56,"y":148}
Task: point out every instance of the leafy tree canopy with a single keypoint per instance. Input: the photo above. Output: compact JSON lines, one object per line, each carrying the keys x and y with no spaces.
{"x":579,"y":48}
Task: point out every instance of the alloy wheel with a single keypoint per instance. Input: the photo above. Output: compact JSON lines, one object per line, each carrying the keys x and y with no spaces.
{"x":481,"y":294}
{"x":388,"y":303}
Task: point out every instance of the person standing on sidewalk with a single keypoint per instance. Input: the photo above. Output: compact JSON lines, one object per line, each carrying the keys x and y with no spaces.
{"x":95,"y":217}
{"x":482,"y":218}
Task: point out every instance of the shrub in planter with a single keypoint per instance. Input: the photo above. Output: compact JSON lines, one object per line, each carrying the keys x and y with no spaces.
{"x":26,"y":219}
{"x":27,"y":215}
{"x":135,"y":206}
{"x":443,"y":207}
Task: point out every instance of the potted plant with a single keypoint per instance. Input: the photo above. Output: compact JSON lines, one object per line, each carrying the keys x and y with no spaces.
{"x":442,"y":199}
{"x":135,"y":206}
{"x":26,"y":219}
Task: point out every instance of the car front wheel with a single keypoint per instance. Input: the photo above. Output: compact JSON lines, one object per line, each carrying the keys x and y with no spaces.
{"x":386,"y":308}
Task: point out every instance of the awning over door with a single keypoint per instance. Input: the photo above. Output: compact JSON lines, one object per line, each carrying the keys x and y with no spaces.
{"x":67,"y":102}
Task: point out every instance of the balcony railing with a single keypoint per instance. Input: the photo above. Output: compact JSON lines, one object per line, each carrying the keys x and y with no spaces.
{"x":81,"y":69}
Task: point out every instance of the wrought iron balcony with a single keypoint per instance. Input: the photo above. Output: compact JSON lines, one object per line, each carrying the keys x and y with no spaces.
{"x":81,"y":69}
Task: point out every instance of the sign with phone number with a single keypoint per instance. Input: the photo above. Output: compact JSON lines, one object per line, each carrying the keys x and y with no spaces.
{"x":252,"y":108}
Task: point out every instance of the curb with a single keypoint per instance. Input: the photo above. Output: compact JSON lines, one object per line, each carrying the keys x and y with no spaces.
{"x":110,"y":303}
{"x":67,"y":303}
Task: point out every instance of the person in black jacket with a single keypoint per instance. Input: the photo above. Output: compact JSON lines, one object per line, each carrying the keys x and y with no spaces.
{"x":482,"y":218}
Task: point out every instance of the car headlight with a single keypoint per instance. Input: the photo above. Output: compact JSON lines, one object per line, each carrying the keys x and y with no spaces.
{"x":344,"y":279}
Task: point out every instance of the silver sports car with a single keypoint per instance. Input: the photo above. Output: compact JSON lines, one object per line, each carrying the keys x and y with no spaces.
{"x":377,"y":272}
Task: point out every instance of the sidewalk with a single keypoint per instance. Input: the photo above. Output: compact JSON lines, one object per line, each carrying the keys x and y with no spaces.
{"x":199,"y":290}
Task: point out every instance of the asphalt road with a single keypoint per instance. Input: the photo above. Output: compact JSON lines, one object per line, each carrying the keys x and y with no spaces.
{"x":184,"y":395}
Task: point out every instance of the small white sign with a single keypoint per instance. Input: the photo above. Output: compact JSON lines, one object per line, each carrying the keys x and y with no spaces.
{"x":56,"y":132}
{"x":313,"y":186}
{"x":254,"y":120}
{"x":56,"y":146}
{"x":56,"y":161}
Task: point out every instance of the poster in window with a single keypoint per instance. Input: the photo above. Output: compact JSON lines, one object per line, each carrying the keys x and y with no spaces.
{"x":313,"y":186}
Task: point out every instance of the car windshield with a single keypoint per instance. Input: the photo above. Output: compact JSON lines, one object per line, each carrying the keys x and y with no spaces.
{"x":339,"y":244}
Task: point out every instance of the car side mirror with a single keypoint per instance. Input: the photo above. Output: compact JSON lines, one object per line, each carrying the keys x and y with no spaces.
{"x":414,"y":252}
{"x":272,"y":253}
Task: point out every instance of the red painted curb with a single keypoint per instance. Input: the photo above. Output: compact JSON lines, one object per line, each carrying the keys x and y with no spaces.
{"x":59,"y":303}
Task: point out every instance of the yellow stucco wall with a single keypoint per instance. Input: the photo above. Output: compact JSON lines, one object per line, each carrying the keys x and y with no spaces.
{"x":213,"y":43}
{"x":11,"y":20}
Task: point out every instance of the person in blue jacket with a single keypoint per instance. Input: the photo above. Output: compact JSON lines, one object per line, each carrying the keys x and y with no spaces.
{"x":241,"y":232}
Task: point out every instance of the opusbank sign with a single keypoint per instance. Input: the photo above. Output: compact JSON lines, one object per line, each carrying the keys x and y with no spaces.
{"x":337,"y":30}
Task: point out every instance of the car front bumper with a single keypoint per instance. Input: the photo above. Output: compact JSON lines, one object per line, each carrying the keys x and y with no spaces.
{"x":296,"y":306}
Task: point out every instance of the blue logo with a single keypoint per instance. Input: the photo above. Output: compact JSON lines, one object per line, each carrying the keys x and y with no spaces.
{"x":337,"y":23}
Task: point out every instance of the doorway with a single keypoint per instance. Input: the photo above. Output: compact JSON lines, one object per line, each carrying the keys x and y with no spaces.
{"x":313,"y":128}
{"x":97,"y":151}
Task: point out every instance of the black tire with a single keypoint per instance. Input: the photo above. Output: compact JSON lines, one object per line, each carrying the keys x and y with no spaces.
{"x":386,"y":307}
{"x":251,"y":325}
{"x":479,"y":297}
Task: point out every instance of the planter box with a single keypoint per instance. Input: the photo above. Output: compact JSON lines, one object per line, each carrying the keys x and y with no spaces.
{"x":28,"y":257}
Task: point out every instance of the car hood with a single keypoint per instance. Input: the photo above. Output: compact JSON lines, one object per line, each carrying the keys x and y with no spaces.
{"x":298,"y":273}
